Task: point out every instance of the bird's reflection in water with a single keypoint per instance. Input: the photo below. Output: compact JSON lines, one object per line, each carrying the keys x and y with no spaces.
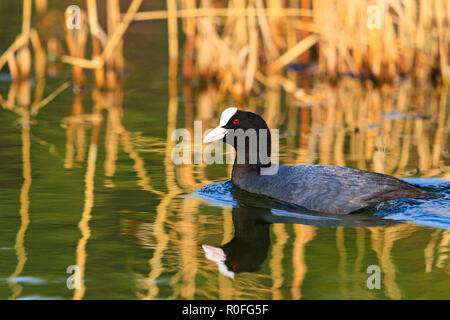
{"x":249,"y":247}
{"x":252,"y":217}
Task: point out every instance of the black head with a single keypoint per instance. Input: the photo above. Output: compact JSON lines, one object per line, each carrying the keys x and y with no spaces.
{"x":247,"y":133}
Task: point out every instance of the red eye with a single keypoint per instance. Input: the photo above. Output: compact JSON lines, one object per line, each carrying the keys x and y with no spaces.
{"x":236,"y":121}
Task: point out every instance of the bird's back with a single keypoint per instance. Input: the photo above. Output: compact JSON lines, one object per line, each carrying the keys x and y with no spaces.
{"x":329,"y":189}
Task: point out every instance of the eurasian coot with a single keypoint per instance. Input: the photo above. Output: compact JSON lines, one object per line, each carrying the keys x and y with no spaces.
{"x":328,"y":189}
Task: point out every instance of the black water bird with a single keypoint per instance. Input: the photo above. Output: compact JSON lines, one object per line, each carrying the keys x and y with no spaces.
{"x":327,"y":189}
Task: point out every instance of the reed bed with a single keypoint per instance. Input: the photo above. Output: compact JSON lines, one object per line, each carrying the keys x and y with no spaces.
{"x":249,"y":40}
{"x":239,"y":44}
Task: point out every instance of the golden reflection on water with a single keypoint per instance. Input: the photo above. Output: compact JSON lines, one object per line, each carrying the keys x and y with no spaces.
{"x":382,"y":243}
{"x":342,"y":265}
{"x":275,"y":263}
{"x":83,"y":225}
{"x":399,"y":132}
{"x":24,"y":207}
{"x":303,"y":234}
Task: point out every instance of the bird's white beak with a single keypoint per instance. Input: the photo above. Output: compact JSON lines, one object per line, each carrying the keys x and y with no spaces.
{"x":215,"y":134}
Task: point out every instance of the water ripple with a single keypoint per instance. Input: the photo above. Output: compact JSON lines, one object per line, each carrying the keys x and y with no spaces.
{"x":425,"y":212}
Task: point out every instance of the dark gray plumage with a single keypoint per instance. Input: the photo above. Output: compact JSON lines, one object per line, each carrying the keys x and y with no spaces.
{"x":327,"y":189}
